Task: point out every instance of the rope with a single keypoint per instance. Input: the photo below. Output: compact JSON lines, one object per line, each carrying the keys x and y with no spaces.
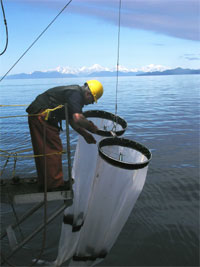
{"x":46,"y":118}
{"x":13,"y":105}
{"x":35,"y":40}
{"x":20,"y":151}
{"x":6,"y":27}
{"x":15,"y":116}
{"x":5,"y":164}
{"x":46,"y":111}
{"x":13,"y":155}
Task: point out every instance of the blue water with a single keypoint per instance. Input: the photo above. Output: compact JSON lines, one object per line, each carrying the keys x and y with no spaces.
{"x":163,"y":113}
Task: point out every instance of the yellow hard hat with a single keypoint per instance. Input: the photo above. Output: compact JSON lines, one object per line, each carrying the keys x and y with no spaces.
{"x":96,"y":89}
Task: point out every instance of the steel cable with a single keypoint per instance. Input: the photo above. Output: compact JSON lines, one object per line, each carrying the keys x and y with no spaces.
{"x":6,"y":27}
{"x":36,"y":40}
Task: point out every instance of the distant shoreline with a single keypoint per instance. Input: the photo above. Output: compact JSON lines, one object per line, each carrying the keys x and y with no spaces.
{"x":177,"y":71}
{"x":56,"y":74}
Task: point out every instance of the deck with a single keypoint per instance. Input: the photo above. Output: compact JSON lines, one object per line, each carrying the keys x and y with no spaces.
{"x":26,"y":190}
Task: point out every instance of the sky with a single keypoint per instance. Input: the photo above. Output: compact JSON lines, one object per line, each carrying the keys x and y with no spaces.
{"x":154,"y":35}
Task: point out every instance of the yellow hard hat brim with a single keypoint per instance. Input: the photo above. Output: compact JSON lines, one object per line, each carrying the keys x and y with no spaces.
{"x":95,"y":99}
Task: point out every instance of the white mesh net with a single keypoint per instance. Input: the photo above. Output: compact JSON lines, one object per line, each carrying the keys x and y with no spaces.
{"x":104,"y":196}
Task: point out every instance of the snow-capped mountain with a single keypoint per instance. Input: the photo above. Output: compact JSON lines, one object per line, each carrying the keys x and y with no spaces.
{"x":97,"y":70}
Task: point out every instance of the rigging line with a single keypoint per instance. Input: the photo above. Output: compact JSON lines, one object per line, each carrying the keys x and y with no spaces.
{"x":119,"y":24}
{"x":4,"y":17}
{"x":36,"y":40}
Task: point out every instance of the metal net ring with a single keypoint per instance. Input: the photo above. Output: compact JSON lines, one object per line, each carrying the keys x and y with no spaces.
{"x":125,"y":144}
{"x":108,"y":116}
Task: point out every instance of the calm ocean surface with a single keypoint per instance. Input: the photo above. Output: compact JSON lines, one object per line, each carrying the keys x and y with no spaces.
{"x":162,"y":113}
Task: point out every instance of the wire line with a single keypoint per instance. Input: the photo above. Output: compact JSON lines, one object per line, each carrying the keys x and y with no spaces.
{"x":119,"y":24}
{"x":36,"y":40}
{"x":4,"y":17}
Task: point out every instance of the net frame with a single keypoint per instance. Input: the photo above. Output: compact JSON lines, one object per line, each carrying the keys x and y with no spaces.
{"x":128,"y":144}
{"x":109,"y":116}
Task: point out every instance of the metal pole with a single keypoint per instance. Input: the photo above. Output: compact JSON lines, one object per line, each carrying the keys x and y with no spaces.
{"x":38,"y":229}
{"x":24,"y":217}
{"x":68,"y":147}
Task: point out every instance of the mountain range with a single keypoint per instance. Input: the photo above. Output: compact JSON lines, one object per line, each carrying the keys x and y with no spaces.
{"x":177,"y":71}
{"x":107,"y":73}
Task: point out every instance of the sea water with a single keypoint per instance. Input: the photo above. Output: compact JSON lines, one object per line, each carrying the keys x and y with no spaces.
{"x":162,"y":113}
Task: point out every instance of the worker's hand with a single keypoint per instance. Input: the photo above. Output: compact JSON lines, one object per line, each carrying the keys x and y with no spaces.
{"x":89,"y":138}
{"x":93,"y":128}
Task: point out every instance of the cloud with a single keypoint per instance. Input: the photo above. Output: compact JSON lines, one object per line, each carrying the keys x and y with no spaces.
{"x":177,"y":18}
{"x":153,"y":67}
{"x":191,"y":57}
